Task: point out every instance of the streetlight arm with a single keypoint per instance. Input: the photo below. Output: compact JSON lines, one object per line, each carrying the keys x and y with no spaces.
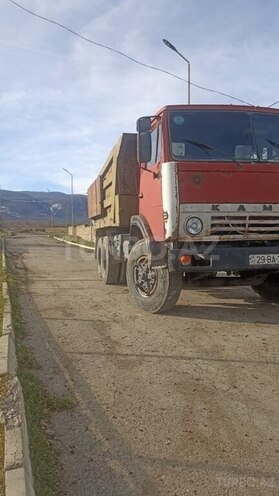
{"x":172,"y":47}
{"x":182,"y":56}
{"x":67,"y":171}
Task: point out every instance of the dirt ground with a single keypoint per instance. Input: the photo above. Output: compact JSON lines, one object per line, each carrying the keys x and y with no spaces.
{"x":177,"y":404}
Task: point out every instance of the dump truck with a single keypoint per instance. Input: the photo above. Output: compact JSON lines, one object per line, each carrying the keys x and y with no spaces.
{"x":191,"y":200}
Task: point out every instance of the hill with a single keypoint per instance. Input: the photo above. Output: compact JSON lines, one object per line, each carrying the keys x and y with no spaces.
{"x":37,"y":206}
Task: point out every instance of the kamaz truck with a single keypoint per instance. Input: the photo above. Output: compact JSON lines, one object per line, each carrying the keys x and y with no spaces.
{"x":191,"y":200}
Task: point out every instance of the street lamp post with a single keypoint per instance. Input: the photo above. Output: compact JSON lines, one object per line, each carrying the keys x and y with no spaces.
{"x":72,"y":194}
{"x":51,"y":214}
{"x":172,"y":47}
{"x":66,"y":215}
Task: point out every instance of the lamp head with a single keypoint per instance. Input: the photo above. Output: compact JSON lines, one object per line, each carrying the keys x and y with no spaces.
{"x":169,"y":45}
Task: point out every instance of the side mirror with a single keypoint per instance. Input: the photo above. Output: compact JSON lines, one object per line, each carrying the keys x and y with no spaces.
{"x":143,"y":124}
{"x":144,"y":147}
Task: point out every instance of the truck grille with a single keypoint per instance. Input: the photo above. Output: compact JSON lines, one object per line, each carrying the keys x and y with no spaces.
{"x":246,"y":226}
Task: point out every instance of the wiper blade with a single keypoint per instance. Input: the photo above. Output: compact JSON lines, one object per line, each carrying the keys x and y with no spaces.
{"x":206,"y":147}
{"x":203,"y":146}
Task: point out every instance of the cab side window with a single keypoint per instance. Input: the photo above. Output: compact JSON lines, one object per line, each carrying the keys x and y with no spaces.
{"x":156,"y":146}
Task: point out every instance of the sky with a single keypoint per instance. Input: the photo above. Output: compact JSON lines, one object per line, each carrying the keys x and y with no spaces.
{"x":64,"y":102}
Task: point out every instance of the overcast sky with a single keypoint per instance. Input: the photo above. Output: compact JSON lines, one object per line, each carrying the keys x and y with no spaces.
{"x":64,"y":102}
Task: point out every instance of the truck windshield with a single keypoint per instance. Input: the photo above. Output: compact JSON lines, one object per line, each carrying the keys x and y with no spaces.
{"x":243,"y":136}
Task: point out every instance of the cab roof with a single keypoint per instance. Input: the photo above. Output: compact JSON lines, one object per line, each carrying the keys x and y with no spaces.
{"x":232,"y":108}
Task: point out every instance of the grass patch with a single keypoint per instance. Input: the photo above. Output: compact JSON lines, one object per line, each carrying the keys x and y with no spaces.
{"x":2,"y":278}
{"x":2,"y":454}
{"x":56,"y":230}
{"x":3,"y":383}
{"x":38,"y":405}
{"x":4,"y":390}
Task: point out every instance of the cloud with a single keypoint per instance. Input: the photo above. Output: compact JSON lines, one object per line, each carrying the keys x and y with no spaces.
{"x":64,"y":102}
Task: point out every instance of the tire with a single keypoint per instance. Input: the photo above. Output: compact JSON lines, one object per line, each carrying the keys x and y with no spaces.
{"x":122,"y":273}
{"x":110,"y":268}
{"x":154,"y":290}
{"x":269,"y":289}
{"x":99,"y":257}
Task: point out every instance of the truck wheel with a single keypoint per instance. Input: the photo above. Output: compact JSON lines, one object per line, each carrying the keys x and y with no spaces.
{"x":155,"y":290}
{"x":99,"y":257}
{"x":269,"y":289}
{"x":110,"y":268}
{"x":122,"y":273}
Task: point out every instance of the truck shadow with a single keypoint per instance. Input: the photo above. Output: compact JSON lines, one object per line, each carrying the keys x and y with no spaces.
{"x":237,"y":305}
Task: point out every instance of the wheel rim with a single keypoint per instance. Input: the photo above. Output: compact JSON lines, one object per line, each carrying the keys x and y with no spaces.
{"x":145,"y":278}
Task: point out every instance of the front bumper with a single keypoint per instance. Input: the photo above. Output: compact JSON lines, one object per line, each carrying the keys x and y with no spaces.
{"x":216,"y":258}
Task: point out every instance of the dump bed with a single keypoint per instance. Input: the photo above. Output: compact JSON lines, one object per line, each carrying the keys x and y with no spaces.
{"x":113,"y":196}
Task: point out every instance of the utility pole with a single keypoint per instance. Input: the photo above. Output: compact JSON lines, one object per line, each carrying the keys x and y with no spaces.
{"x":51,"y":214}
{"x":72,"y":194}
{"x":172,"y":47}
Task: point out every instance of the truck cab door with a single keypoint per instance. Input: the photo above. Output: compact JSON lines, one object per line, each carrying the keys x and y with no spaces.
{"x":150,"y":197}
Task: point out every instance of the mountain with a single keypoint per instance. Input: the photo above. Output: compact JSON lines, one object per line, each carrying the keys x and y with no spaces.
{"x":38,"y":206}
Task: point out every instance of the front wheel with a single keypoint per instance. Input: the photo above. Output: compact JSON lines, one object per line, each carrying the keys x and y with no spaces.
{"x":269,"y":289}
{"x":156,"y":290}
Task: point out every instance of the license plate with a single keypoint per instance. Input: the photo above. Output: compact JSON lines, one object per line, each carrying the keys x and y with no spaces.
{"x":264,"y":259}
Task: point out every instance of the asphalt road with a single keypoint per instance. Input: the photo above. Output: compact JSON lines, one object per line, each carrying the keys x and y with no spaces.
{"x":177,"y":404}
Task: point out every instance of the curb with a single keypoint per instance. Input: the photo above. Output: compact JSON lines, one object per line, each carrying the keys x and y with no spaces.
{"x":17,"y":464}
{"x":74,"y":244}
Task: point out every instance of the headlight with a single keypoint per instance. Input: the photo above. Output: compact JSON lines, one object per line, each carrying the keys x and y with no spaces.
{"x":194,"y":226}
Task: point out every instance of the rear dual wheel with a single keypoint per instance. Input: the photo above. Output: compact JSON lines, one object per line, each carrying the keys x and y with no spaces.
{"x":122,"y":279}
{"x":111,"y":271}
{"x":99,"y":256}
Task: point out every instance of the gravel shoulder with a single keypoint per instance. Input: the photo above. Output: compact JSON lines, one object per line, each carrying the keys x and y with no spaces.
{"x":184,"y":403}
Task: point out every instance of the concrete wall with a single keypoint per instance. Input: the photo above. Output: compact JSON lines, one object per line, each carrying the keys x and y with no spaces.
{"x":84,"y":232}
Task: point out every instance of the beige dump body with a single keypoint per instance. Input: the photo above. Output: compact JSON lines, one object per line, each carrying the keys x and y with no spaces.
{"x":113,"y":196}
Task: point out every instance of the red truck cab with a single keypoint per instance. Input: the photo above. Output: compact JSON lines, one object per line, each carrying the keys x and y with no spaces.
{"x":208,"y":199}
